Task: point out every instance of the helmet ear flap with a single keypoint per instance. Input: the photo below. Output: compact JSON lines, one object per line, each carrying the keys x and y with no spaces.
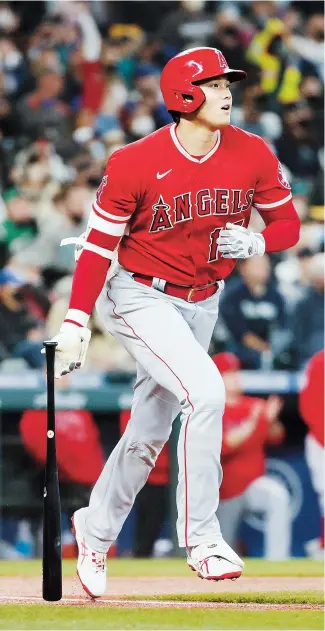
{"x":183,"y":97}
{"x":188,"y":101}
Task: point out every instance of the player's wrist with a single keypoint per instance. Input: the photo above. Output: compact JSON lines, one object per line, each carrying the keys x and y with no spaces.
{"x":75,"y":317}
{"x":259,"y":244}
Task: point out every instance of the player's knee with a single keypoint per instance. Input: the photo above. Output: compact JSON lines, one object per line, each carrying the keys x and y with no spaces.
{"x":208,"y":394}
{"x":146,"y":451}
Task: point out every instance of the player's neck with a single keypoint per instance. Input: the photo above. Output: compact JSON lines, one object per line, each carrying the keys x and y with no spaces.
{"x":196,"y":139}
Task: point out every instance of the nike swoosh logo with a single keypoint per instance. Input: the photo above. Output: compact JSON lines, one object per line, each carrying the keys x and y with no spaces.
{"x":161,"y":175}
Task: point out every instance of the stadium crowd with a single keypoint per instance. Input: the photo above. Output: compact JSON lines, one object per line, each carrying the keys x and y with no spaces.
{"x":79,"y":80}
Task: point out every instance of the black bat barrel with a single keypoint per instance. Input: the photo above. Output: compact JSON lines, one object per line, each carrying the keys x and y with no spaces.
{"x":52,"y":552}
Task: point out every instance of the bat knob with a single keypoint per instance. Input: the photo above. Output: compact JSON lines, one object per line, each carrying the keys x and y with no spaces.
{"x":50,"y":344}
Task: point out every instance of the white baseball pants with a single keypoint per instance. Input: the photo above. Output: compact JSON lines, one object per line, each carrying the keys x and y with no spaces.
{"x":169,"y":339}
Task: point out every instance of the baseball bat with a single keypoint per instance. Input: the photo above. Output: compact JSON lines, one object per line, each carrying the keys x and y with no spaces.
{"x":52,"y":552}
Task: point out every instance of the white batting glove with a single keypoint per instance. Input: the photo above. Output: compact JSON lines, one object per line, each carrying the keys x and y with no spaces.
{"x":71,"y":350}
{"x":237,"y":242}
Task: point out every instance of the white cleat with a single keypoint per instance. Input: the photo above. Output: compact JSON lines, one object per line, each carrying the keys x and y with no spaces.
{"x":91,"y":565}
{"x":215,"y":561}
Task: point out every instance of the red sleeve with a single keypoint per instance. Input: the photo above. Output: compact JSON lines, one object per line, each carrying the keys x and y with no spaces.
{"x":272,"y":189}
{"x":88,"y":281}
{"x":272,"y":199}
{"x":120,"y":188}
{"x":282,"y":227}
{"x":116,"y":200}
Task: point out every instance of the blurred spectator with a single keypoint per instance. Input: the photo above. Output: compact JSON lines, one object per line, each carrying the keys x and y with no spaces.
{"x":253,"y":310}
{"x":69,"y":218}
{"x":310,"y":45}
{"x":231,"y":35}
{"x":79,"y":452}
{"x":298,"y":146}
{"x":311,"y":404}
{"x":21,"y":332}
{"x":145,"y":111}
{"x":19,"y":230}
{"x":308,"y":322}
{"x":249,"y":425}
{"x":254,"y":117}
{"x":12,"y":65}
{"x":292,"y":275}
{"x":38,"y":170}
{"x":280,"y":74}
{"x":43,"y":112}
{"x":186,"y":26}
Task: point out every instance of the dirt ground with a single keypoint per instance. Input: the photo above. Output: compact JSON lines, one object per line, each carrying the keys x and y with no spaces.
{"x":29,"y":590}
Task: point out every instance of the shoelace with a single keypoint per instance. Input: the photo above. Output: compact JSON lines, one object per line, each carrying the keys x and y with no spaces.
{"x":99,"y":559}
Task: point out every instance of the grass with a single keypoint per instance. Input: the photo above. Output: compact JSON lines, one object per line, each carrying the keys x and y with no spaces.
{"x":309,"y":597}
{"x":51,"y":617}
{"x":89,"y":616}
{"x":170,"y":567}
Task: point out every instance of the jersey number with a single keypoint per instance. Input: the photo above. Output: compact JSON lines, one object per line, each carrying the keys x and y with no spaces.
{"x":213,"y":247}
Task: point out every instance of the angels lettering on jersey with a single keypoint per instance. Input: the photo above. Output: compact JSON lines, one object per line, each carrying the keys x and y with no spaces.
{"x":204,"y":203}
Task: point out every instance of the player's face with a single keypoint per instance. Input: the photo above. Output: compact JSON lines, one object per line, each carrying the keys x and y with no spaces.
{"x":216,"y":109}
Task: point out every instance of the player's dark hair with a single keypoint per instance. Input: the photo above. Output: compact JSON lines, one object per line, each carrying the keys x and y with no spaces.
{"x":175,"y":116}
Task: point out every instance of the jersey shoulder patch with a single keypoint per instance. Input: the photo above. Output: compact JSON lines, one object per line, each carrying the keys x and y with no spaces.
{"x":282,"y":177}
{"x":101,"y":188}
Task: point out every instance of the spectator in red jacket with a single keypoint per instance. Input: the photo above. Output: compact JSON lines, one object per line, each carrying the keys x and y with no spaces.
{"x":152,"y":501}
{"x":249,"y":423}
{"x":79,"y":452}
{"x":311,"y":403}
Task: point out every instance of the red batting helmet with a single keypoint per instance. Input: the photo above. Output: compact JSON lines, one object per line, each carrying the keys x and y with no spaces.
{"x":183,"y":71}
{"x":226,"y":362}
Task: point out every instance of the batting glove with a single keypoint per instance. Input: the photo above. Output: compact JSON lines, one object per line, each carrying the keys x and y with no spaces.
{"x":237,"y":242}
{"x":70,"y":353}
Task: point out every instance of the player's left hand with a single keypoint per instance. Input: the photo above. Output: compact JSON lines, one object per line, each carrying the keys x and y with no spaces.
{"x":237,"y":242}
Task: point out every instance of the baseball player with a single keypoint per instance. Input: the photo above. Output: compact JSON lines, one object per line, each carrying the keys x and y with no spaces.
{"x":249,"y":424}
{"x":176,"y":204}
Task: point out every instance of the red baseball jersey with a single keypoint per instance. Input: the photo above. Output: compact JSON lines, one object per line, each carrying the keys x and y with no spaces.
{"x":311,"y":400}
{"x":168,"y":207}
{"x":246,"y":462}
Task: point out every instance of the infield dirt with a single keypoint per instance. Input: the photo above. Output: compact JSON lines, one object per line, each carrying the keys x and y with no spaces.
{"x":29,"y":590}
